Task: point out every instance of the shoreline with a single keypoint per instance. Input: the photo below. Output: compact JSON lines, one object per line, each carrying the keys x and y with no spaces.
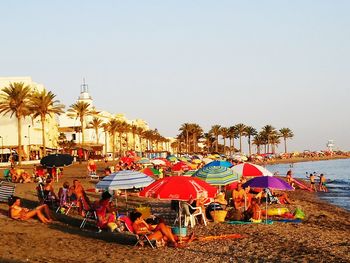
{"x":304,"y":159}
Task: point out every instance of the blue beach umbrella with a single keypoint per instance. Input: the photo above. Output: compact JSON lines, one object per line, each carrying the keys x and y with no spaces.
{"x":217,"y":175}
{"x":219,"y":163}
{"x":123,"y":180}
{"x":144,"y":161}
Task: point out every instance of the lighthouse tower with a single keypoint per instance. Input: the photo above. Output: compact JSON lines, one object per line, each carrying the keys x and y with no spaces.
{"x":84,"y":94}
{"x":330,"y":145}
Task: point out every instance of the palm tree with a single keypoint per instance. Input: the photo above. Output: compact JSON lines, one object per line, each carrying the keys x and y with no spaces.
{"x":258,"y":141}
{"x":196,"y":132}
{"x":80,"y":110}
{"x":186,"y":127}
{"x":250,"y":132}
{"x":43,"y":104}
{"x":105,"y":130}
{"x":232,"y":135}
{"x":286,"y":133}
{"x":215,"y":130}
{"x":112,"y":127}
{"x":274,"y":141}
{"x":268,"y":131}
{"x":224,"y":132}
{"x":139,"y":132}
{"x":133,"y":130}
{"x":96,"y":124}
{"x":240,"y":127}
{"x":15,"y":101}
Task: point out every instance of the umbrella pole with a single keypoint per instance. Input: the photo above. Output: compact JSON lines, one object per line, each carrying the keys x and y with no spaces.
{"x":266,"y":210}
{"x":180,"y":237}
{"x":126,"y":201}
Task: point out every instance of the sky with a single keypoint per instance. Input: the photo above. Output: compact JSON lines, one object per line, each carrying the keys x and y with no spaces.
{"x":279,"y":63}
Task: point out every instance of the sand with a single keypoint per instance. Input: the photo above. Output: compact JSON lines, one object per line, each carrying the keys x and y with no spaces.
{"x":324,"y":236}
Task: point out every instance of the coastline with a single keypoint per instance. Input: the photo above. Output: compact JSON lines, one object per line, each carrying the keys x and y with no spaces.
{"x":322,"y":237}
{"x":305,"y":159}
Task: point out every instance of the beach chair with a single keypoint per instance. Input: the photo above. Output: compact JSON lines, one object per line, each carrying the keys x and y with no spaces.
{"x":93,"y":176}
{"x":65,"y":203}
{"x":7,"y":189}
{"x":44,"y":197}
{"x":90,"y":216}
{"x":7,"y":175}
{"x":271,"y":199}
{"x":192,"y":218}
{"x":140,"y":238}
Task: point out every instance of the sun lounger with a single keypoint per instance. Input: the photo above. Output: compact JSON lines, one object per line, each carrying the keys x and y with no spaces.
{"x":7,"y":189}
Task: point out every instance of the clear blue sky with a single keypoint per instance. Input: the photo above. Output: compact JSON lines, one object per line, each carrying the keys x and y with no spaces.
{"x":284,"y":63}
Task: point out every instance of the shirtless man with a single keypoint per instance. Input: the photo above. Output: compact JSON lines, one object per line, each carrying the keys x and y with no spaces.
{"x":21,"y":213}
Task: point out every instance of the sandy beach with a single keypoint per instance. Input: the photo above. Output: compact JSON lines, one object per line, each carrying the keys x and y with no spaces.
{"x":324,"y":236}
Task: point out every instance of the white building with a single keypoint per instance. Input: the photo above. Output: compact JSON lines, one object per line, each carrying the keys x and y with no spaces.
{"x":31,"y":129}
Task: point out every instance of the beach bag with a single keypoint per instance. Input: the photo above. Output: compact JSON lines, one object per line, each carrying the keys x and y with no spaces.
{"x":218,"y":215}
{"x":299,"y":214}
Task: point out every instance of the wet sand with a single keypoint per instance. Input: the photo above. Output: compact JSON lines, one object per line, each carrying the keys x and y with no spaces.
{"x":324,"y":236}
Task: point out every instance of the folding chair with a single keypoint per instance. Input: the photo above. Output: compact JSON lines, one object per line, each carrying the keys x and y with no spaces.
{"x":90,"y":215}
{"x":7,"y":175}
{"x":45,"y":198}
{"x":65,"y":203}
{"x":140,"y":238}
{"x":270,"y":198}
{"x":7,"y":189}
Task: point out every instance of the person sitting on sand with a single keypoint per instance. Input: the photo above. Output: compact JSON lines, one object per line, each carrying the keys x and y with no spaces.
{"x":83,"y":201}
{"x":21,"y":213}
{"x":91,"y":166}
{"x":49,"y":190}
{"x":160,"y":233}
{"x":253,"y":211}
{"x":238,"y":196}
{"x":105,"y":214}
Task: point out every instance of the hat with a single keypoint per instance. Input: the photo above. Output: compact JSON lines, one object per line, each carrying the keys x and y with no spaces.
{"x":220,"y":198}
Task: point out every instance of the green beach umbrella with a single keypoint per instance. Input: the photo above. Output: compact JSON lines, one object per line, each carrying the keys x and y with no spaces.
{"x":217,"y":175}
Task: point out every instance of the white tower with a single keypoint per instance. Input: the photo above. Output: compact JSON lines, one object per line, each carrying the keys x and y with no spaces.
{"x":330,"y":145}
{"x":84,"y":94}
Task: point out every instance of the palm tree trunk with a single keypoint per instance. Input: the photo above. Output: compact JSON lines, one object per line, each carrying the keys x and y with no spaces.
{"x":233,"y":144}
{"x":96,"y":131}
{"x":82,"y":131}
{"x":217,"y":143}
{"x":250,"y":146}
{"x":285,"y":145}
{"x":230,"y":146}
{"x":134,"y":142}
{"x":224,"y":145}
{"x":113,"y":146}
{"x":105,"y":143}
{"x":19,"y":133}
{"x":140,"y":140}
{"x":43,"y":135}
{"x":120,"y":143}
{"x":240,"y":143}
{"x":187,"y":150}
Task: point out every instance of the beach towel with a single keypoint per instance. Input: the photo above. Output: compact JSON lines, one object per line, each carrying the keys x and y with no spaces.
{"x":227,"y":236}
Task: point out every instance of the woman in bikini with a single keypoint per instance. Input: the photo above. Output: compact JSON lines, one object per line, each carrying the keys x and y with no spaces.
{"x":21,"y":213}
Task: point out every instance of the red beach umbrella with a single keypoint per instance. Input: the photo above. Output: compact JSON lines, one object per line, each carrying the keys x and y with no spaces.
{"x":180,"y":166}
{"x":250,"y":169}
{"x":178,"y":188}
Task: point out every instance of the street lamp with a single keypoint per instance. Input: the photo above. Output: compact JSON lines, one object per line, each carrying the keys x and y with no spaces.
{"x":2,"y":148}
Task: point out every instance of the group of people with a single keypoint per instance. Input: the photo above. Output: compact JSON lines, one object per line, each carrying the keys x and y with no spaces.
{"x":312,"y":178}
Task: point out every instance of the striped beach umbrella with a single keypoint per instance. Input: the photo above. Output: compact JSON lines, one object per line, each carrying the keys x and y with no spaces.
{"x":144,"y":161}
{"x":127,"y":179}
{"x":250,"y":169}
{"x":219,"y":163}
{"x":150,"y":171}
{"x":217,"y":175}
{"x":172,"y":158}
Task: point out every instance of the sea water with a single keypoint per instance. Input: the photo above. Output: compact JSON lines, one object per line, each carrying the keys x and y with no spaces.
{"x":337,"y":173}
